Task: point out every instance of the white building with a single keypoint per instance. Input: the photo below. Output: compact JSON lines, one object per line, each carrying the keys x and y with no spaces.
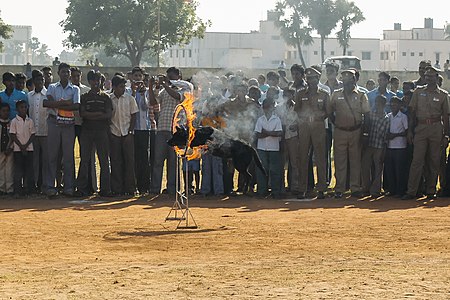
{"x":263,"y":49}
{"x":16,"y":50}
{"x":404,"y":49}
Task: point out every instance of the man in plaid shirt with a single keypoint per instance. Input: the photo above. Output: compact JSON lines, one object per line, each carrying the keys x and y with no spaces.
{"x":376,"y":129}
{"x":171,"y":94}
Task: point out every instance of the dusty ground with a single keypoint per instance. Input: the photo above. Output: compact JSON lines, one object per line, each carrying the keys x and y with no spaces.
{"x":244,"y":248}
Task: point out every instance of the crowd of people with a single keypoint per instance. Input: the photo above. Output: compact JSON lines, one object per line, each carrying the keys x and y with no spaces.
{"x":381,"y":140}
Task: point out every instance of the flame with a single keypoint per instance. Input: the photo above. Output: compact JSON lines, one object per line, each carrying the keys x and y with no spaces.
{"x":188,"y":107}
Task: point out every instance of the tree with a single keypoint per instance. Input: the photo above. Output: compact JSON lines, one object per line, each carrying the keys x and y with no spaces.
{"x":5,"y":32}
{"x":323,"y":18}
{"x":129,"y":27}
{"x":42,"y":57}
{"x":34,"y":45}
{"x":349,"y":15}
{"x":291,"y":24}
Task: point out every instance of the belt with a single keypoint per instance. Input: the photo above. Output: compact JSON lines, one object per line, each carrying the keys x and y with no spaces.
{"x":349,"y":128}
{"x":430,"y":121}
{"x":312,"y":119}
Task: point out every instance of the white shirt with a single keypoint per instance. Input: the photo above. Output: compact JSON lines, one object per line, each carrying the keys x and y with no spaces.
{"x":399,"y":124}
{"x":270,"y":143}
{"x":123,"y":108}
{"x":38,"y":113}
{"x":83,"y":90}
{"x":23,"y":129}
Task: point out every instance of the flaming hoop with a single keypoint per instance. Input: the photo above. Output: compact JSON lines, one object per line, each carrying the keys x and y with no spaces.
{"x":181,"y":204}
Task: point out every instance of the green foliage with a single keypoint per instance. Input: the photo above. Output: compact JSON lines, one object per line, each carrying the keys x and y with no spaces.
{"x":129,"y":27}
{"x":298,"y":18}
{"x":323,"y":18}
{"x":349,"y":15}
{"x":5,"y":32}
{"x":292,"y":25}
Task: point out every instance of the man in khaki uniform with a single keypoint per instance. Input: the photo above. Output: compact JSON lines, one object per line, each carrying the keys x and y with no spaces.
{"x":428,"y":118}
{"x":310,"y":105}
{"x":346,"y":109}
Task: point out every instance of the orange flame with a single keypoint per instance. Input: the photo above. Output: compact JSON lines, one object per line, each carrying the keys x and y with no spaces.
{"x":188,"y":107}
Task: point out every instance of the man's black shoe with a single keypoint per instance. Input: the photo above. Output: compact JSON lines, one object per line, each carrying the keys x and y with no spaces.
{"x":320,"y":195}
{"x":337,"y":195}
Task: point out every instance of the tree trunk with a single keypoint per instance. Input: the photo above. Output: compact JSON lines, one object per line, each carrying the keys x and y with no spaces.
{"x":300,"y":54}
{"x":344,"y":50}
{"x":322,"y":46}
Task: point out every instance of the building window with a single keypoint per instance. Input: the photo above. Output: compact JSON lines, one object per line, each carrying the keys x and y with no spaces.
{"x":177,"y":53}
{"x":171,"y":53}
{"x":438,"y":56}
{"x":316,"y":52}
{"x":190,"y":53}
{"x":393,"y":55}
{"x":412,"y":54}
{"x":384,"y":55}
{"x":332,"y":53}
{"x":420,"y":53}
{"x":366,"y":55}
{"x":184,"y":53}
{"x":403,"y":53}
{"x":289,"y":55}
{"x":349,"y":53}
{"x":295,"y":54}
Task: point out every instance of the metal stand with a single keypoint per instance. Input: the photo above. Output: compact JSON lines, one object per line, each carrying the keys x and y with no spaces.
{"x":180,"y":209}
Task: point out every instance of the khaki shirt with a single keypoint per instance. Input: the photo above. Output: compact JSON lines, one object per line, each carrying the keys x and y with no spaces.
{"x":343,"y":114}
{"x":311,"y":104}
{"x":429,"y":103}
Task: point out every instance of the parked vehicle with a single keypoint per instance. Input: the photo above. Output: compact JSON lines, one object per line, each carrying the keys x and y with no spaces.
{"x":345,"y":62}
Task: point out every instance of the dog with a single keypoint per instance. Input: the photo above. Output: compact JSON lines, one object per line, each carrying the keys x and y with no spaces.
{"x":222,"y":145}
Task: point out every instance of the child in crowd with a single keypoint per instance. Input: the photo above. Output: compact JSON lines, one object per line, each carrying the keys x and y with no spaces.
{"x":6,"y":157}
{"x":395,"y":163}
{"x":22,"y":133}
{"x":377,"y":127}
{"x":269,"y":130}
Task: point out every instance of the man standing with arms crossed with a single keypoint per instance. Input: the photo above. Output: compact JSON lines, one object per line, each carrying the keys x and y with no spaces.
{"x":63,"y":99}
{"x":428,"y":119}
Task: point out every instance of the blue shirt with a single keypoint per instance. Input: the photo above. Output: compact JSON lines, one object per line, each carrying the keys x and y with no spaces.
{"x":70,"y":92}
{"x":373,"y":94}
{"x":12,"y":99}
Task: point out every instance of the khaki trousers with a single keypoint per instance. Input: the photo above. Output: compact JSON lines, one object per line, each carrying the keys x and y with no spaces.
{"x":427,"y":148}
{"x":347,"y":144}
{"x":312,"y":133}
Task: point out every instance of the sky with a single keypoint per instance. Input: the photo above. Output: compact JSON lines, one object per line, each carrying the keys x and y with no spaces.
{"x":231,"y":16}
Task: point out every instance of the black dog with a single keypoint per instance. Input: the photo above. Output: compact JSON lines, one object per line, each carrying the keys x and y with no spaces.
{"x":221,"y":145}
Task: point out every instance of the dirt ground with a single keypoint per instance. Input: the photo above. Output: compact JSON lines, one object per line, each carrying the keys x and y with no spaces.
{"x":244,"y":248}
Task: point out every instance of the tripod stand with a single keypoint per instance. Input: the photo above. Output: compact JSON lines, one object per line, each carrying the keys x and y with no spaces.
{"x":180,"y":209}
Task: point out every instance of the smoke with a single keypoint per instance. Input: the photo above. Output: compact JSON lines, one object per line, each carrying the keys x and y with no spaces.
{"x":239,"y":116}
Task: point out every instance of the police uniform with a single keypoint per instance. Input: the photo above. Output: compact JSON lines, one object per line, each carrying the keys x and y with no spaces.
{"x":430,"y":107}
{"x":348,"y":117}
{"x":310,"y":106}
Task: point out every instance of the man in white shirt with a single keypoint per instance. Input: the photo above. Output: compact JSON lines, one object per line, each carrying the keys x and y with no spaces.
{"x":395,"y":163}
{"x":269,"y":131}
{"x":38,"y":113}
{"x":122,"y":139}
